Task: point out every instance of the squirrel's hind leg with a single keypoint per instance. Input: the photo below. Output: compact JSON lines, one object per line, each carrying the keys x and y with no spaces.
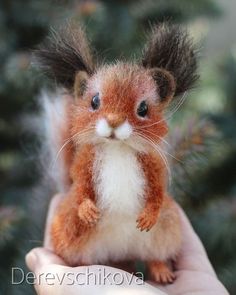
{"x":166,"y":242}
{"x":160,"y":272}
{"x":69,"y":233}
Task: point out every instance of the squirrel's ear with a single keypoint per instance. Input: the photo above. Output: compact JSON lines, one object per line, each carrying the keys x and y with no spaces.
{"x":170,"y":48}
{"x":80,"y":84}
{"x":64,"y":54}
{"x":165,"y":84}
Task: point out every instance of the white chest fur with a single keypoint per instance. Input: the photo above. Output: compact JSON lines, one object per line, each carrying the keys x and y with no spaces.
{"x":119,"y":184}
{"x":118,"y":178}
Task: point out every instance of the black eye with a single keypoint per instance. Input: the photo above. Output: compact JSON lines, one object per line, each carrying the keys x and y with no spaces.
{"x":95,"y":102}
{"x":142,"y":109}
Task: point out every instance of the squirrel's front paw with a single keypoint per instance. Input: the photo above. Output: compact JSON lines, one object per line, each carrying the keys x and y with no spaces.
{"x":146,"y":219}
{"x":88,"y":212}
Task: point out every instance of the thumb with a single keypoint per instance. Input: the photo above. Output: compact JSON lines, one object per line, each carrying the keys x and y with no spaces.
{"x":40,"y":257}
{"x":193,"y":255}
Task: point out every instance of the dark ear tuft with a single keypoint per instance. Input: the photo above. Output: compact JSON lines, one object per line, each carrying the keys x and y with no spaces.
{"x":165,"y":83}
{"x":64,"y":54}
{"x":170,"y":48}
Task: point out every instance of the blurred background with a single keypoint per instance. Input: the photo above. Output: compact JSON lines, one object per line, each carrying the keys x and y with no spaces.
{"x":202,"y":132}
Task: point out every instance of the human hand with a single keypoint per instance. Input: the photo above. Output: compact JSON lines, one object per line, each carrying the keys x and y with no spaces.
{"x":194,"y":273}
{"x":193,"y":270}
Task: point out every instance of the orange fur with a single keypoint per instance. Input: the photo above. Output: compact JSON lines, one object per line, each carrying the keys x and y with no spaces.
{"x":77,"y":212}
{"x":155,"y":190}
{"x":75,"y":225}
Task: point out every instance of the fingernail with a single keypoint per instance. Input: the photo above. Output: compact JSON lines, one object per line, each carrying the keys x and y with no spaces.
{"x":31,"y":260}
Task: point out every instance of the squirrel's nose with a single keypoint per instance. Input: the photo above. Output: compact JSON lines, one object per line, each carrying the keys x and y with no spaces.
{"x":114,"y":120}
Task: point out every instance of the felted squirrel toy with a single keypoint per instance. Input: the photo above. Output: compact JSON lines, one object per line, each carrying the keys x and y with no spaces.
{"x":112,"y":168}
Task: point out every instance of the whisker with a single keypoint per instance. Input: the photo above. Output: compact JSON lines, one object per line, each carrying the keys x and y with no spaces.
{"x":170,"y":155}
{"x":82,"y":138}
{"x":58,"y":153}
{"x":164,"y":151}
{"x":177,"y":106}
{"x":160,"y":152}
{"x":66,"y":143}
{"x":160,"y":138}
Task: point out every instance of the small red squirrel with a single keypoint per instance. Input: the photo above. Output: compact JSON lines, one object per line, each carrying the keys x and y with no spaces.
{"x":116,"y":205}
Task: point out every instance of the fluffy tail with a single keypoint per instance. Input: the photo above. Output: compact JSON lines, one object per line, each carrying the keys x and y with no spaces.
{"x":57,"y":149}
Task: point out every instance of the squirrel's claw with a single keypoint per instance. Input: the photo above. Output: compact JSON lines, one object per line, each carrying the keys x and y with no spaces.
{"x":146,"y":220}
{"x":88,"y":212}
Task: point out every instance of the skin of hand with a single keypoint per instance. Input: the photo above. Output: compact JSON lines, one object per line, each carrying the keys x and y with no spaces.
{"x":194,"y":272}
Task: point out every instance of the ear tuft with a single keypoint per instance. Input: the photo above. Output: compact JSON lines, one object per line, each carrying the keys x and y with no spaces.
{"x":64,"y":54}
{"x":170,"y":48}
{"x":165,"y":83}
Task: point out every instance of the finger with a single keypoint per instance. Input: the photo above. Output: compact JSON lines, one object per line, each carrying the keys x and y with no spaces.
{"x":39,"y":257}
{"x":192,"y":255}
{"x":117,"y":282}
{"x":191,"y":282}
{"x":51,"y":212}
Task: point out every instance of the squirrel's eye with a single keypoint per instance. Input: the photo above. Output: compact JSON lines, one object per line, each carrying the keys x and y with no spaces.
{"x":95,"y":102}
{"x":142,"y":109}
